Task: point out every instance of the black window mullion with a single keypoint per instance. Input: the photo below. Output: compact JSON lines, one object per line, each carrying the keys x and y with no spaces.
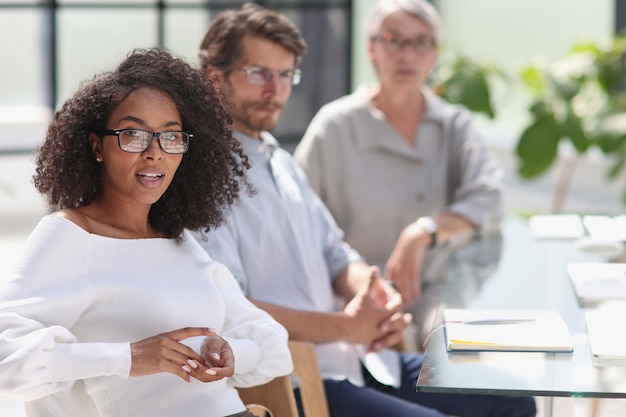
{"x":314,"y":97}
{"x":49,"y":51}
{"x":620,"y":15}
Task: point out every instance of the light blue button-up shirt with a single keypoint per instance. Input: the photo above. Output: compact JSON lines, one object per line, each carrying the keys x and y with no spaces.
{"x":284,"y":247}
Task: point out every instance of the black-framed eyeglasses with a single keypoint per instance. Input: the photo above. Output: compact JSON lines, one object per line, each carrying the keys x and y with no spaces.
{"x":394,"y":44}
{"x":262,"y":75}
{"x":138,"y":140}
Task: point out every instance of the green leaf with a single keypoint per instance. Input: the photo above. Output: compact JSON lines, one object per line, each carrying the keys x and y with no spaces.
{"x":610,"y":74}
{"x":468,"y":86}
{"x":537,"y":146}
{"x":586,"y":47}
{"x":539,"y":109}
{"x":532,"y":77}
{"x":610,"y":135}
{"x":573,"y":130}
{"x":614,"y":171}
{"x":566,"y":87}
{"x":609,"y":142}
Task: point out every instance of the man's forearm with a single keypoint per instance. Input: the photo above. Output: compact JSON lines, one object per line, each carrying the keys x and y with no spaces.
{"x":310,"y":326}
{"x":351,"y":279}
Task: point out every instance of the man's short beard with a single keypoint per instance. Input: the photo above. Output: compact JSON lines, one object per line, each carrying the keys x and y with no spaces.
{"x":244,"y":118}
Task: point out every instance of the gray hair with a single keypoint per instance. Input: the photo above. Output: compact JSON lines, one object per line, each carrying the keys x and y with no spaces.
{"x":422,"y":9}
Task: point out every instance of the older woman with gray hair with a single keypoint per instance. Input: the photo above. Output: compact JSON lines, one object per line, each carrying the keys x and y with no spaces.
{"x":404,"y":173}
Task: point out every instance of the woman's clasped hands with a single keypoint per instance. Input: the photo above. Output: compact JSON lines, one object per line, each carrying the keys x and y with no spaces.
{"x":165,"y":353}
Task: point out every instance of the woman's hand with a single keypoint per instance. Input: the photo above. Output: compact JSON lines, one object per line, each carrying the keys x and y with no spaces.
{"x":404,"y":263}
{"x":218,"y":358}
{"x":165,"y":353}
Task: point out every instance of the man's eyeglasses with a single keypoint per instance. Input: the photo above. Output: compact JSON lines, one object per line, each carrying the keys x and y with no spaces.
{"x":261,"y":75}
{"x":394,"y":44}
{"x":137,"y":140}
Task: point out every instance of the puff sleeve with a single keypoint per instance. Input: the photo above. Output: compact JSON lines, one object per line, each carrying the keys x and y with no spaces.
{"x":39,"y":304}
{"x":259,"y":342}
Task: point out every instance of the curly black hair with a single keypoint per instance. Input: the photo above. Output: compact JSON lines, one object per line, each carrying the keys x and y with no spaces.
{"x":211,"y":174}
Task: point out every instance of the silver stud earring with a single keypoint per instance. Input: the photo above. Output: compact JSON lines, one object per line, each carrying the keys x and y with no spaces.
{"x":99,"y":159}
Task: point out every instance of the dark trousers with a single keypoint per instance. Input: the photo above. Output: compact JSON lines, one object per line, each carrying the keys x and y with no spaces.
{"x":376,"y":400}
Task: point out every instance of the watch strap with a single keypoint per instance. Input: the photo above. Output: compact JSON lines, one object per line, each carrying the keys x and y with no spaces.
{"x":429,"y":226}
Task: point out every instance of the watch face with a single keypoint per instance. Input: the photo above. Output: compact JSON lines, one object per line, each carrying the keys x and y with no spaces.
{"x":427,"y":223}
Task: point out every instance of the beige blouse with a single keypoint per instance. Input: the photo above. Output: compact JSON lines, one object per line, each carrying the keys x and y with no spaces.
{"x":375,"y":183}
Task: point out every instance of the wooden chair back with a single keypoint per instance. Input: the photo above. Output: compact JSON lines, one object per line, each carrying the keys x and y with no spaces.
{"x":307,"y":372}
{"x":277,"y":396}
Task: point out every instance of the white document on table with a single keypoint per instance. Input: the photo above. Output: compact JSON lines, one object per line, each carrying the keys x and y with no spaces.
{"x":611,"y":228}
{"x":607,"y":339}
{"x":516,"y":330}
{"x":596,"y":282}
{"x":556,"y":226}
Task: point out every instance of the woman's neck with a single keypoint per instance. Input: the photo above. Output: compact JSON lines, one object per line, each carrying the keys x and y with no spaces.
{"x":403,"y":109}
{"x":118,"y":221}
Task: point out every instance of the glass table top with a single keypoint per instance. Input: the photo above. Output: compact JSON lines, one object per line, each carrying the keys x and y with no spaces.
{"x":516,"y":270}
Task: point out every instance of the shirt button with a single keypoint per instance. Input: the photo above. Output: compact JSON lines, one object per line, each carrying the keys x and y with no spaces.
{"x":419,"y":197}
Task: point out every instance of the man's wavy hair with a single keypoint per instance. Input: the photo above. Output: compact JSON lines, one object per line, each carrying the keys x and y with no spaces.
{"x":221,"y":46}
{"x":211,"y":173}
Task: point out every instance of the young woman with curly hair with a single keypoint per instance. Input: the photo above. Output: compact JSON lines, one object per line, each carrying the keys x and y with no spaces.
{"x":208,"y":177}
{"x":115,"y":310}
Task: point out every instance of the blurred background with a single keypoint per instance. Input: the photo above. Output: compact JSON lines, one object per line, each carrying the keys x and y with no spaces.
{"x":515,"y":63}
{"x":50,"y":46}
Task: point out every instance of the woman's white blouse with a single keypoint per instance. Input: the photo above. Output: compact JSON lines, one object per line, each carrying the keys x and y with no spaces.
{"x":76,"y":302}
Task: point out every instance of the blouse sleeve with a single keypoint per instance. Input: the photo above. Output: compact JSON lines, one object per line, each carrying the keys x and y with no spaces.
{"x":317,"y":152}
{"x":39,"y":303}
{"x":259,"y":342}
{"x":476,"y":176}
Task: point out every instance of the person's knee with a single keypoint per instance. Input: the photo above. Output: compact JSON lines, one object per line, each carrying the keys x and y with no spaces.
{"x":528,"y":406}
{"x":520,"y":407}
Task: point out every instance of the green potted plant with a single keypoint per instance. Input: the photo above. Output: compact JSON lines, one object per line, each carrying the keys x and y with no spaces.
{"x":580,"y":99}
{"x":462,"y":80}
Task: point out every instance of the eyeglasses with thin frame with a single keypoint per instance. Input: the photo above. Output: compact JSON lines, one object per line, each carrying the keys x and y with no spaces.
{"x":262,"y":75}
{"x":394,"y":44}
{"x":138,"y":140}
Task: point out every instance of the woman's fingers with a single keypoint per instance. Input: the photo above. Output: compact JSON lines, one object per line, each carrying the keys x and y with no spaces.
{"x":165,"y":353}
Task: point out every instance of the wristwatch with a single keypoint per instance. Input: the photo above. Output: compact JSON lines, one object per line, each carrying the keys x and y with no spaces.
{"x":429,"y":226}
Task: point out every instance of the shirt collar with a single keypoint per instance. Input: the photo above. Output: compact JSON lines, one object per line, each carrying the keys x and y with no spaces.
{"x":265,"y":143}
{"x":433,"y":116}
{"x":434,"y":107}
{"x":433,"y":111}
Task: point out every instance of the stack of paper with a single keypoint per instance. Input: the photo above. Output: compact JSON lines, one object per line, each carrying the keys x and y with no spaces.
{"x":606,"y":227}
{"x":607,"y":342}
{"x":596,"y":282}
{"x":556,"y":226}
{"x":506,"y":330}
